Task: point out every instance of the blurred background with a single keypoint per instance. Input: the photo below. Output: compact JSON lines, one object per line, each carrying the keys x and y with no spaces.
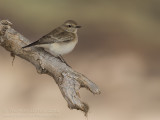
{"x":118,"y":49}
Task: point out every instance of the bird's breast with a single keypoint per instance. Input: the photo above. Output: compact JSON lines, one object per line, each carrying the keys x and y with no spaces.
{"x":62,"y":48}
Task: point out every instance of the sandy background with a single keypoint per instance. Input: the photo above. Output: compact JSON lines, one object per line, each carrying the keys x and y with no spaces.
{"x":118,"y":49}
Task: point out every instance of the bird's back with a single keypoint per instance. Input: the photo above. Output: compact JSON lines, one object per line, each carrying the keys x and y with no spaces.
{"x":58,"y":35}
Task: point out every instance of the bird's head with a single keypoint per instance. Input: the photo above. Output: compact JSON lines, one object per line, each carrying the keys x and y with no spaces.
{"x":70,"y":26}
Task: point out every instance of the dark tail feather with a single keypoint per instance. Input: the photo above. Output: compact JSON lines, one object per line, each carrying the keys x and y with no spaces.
{"x":32,"y":44}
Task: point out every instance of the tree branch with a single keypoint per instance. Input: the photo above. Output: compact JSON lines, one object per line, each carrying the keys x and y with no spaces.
{"x":68,"y":80}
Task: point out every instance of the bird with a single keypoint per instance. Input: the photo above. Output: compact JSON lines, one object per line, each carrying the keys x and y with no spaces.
{"x":60,"y":41}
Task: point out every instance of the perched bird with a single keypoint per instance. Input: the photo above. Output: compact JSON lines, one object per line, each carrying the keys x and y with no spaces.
{"x":60,"y":41}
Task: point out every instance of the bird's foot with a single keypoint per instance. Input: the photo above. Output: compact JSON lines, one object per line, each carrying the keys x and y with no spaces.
{"x":62,"y":59}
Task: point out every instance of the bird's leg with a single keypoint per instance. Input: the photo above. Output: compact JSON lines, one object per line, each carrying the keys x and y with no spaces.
{"x":62,"y":59}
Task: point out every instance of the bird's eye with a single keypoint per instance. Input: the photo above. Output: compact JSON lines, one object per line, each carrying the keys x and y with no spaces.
{"x":69,"y":26}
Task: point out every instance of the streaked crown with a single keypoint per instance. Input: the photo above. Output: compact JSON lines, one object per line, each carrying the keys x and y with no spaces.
{"x":70,"y":22}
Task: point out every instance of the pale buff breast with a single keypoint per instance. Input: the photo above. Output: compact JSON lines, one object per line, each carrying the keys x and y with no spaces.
{"x":62,"y":48}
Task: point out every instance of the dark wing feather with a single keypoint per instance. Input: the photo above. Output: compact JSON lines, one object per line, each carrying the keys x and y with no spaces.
{"x":57,"y":35}
{"x":42,"y":40}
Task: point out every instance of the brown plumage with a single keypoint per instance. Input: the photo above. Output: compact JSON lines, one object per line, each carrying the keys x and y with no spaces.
{"x":61,"y":40}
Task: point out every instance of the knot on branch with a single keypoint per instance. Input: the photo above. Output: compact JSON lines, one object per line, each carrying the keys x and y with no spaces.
{"x":4,"y":25}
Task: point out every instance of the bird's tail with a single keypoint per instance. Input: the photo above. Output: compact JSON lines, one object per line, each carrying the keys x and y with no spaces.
{"x":32,"y":44}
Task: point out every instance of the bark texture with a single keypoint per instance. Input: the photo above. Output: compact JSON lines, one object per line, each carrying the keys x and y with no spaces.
{"x":68,"y":80}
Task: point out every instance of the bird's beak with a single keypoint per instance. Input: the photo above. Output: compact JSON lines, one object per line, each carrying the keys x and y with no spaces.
{"x":78,"y":26}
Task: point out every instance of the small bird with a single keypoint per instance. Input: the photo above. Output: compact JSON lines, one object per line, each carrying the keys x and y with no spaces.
{"x":60,"y":41}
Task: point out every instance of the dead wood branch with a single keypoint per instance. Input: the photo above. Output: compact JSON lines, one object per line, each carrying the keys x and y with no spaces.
{"x":68,"y":80}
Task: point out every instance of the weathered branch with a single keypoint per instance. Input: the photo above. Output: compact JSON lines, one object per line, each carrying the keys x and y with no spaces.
{"x":68,"y":80}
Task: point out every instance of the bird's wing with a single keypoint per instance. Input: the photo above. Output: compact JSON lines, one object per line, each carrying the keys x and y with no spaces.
{"x":53,"y":37}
